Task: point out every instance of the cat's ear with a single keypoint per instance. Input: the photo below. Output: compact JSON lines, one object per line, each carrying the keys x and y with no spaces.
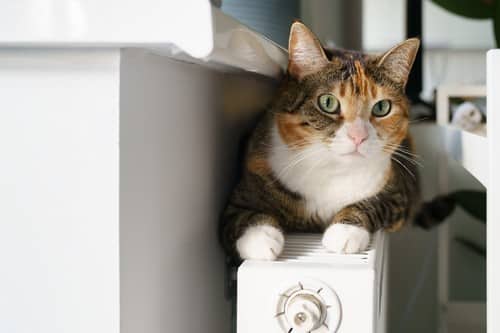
{"x":306,"y":55}
{"x":397,"y":62}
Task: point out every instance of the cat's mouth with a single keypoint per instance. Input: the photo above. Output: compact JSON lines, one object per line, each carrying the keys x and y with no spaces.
{"x":354,"y":153}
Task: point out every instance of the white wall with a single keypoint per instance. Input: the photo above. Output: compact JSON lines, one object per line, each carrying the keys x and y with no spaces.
{"x":180,"y":130}
{"x":172,"y":269}
{"x":384,"y":24}
{"x":59,"y":191}
{"x":443,"y":29}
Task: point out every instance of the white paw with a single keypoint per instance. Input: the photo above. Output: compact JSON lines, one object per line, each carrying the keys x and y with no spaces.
{"x":261,"y":242}
{"x":345,"y":238}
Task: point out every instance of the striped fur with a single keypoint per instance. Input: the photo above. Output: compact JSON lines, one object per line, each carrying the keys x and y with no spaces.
{"x":296,"y":144}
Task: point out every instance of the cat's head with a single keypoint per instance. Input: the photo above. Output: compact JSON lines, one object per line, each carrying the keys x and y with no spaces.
{"x":351,"y":103}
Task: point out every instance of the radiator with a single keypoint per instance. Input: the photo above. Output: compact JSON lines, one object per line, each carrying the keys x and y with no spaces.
{"x":309,"y":290}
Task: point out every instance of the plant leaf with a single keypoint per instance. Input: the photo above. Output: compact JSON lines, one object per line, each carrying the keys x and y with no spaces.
{"x":469,"y":8}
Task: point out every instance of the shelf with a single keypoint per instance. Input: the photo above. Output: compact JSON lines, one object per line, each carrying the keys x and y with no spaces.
{"x":468,"y":149}
{"x":190,"y":30}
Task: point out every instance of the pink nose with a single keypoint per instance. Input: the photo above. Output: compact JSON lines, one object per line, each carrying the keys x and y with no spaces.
{"x":357,"y":132}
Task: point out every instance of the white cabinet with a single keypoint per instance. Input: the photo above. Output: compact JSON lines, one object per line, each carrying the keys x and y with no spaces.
{"x":115,"y":162}
{"x":59,"y":191}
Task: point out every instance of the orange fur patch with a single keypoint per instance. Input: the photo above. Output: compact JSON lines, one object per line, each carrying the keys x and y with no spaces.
{"x":360,"y":79}
{"x":342,"y":90}
{"x":347,"y":214}
{"x":396,"y":126}
{"x":258,"y":164}
{"x":290,"y":129}
{"x":396,"y":226}
{"x":373,"y":89}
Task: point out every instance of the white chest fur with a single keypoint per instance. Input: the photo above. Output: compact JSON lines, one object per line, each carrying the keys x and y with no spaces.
{"x":327,"y":183}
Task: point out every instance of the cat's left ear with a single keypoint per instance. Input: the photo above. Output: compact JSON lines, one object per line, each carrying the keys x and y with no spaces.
{"x":306,"y":55}
{"x":397,"y":62}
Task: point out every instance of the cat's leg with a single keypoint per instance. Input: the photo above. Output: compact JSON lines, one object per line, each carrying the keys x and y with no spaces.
{"x":344,"y":236}
{"x":351,"y":227}
{"x":252,"y":235}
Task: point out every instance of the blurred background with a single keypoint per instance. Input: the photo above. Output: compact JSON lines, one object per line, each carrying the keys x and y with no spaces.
{"x":434,"y":269}
{"x":454,"y":45}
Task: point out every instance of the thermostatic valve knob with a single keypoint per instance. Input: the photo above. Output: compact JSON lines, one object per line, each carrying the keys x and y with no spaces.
{"x":304,"y":312}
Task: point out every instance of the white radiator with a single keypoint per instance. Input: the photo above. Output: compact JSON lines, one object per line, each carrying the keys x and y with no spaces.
{"x":309,"y":290}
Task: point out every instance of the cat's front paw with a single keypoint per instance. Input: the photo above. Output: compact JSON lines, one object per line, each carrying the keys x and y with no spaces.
{"x":345,"y":238}
{"x":260,"y":242}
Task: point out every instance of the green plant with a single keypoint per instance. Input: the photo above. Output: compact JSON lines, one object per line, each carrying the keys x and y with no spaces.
{"x":476,"y":9}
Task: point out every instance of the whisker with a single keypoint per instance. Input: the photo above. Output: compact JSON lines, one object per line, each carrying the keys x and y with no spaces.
{"x":414,"y":159}
{"x":407,"y":152}
{"x":409,"y":159}
{"x":402,"y":150}
{"x":404,"y":166}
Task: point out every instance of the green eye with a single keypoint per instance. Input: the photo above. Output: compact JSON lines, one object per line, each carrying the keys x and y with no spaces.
{"x":329,"y":103}
{"x":382,"y":108}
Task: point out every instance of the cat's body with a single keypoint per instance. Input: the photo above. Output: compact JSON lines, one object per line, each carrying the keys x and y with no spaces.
{"x":312,"y":168}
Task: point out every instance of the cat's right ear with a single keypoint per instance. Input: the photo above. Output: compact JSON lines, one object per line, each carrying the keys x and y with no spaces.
{"x":306,"y":55}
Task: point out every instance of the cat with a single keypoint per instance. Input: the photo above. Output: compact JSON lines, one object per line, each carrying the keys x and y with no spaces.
{"x":332,"y":153}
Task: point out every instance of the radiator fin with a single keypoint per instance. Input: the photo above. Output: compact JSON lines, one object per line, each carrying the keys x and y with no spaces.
{"x":308,"y":248}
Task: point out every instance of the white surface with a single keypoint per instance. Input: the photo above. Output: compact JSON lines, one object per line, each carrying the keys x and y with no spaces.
{"x":355,"y":279}
{"x":59,"y":191}
{"x":237,"y":46}
{"x":111,"y":184}
{"x":443,"y":29}
{"x":470,"y":150}
{"x":452,"y":67}
{"x":384,"y":25}
{"x":171,"y":264}
{"x":308,"y":248}
{"x":186,"y":23}
{"x":493,"y":227}
{"x":190,"y":30}
{"x":445,"y":92}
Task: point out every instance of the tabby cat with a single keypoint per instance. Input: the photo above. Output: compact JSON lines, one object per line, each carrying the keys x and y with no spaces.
{"x":332,"y":154}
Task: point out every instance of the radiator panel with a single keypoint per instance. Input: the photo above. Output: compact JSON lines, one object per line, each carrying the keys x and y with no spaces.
{"x":350,"y":297}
